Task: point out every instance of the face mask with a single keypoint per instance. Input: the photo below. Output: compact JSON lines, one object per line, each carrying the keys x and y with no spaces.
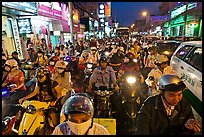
{"x":52,"y":63}
{"x":60,"y":70}
{"x":79,"y":129}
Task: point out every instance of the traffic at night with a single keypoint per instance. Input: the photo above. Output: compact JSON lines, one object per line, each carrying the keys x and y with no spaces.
{"x":102,"y":68}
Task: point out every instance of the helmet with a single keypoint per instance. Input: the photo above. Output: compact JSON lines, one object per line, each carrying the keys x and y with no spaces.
{"x":161,"y":58}
{"x":61,"y":64}
{"x":42,"y":70}
{"x":130,"y":53}
{"x":93,"y":48}
{"x":170,"y":83}
{"x":103,"y":58}
{"x":78,"y":104}
{"x":11,"y":63}
{"x":54,"y":58}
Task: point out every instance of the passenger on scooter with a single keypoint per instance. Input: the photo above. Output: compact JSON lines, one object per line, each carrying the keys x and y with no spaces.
{"x":62,"y":77}
{"x":78,"y":112}
{"x":46,"y":91}
{"x":32,"y":55}
{"x":161,"y":68}
{"x":167,"y":113}
{"x":94,"y":56}
{"x":15,"y":76}
{"x":117,"y":59}
{"x":51,"y":64}
{"x":42,"y":59}
{"x":15,"y":56}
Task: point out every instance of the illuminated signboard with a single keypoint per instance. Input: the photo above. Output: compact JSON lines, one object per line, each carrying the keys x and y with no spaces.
{"x":23,"y":6}
{"x":107,"y":9}
{"x":182,"y":9}
{"x":76,"y":16}
{"x":24,"y":26}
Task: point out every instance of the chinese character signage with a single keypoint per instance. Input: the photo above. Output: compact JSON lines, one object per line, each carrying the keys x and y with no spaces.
{"x":24,"y":25}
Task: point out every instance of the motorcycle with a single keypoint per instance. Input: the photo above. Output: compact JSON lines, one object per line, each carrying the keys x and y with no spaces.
{"x":131,"y":97}
{"x":35,"y":120}
{"x":103,"y":103}
{"x":8,"y":124}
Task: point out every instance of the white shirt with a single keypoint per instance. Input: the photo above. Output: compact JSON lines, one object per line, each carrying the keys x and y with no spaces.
{"x":96,"y":129}
{"x":157,"y":74}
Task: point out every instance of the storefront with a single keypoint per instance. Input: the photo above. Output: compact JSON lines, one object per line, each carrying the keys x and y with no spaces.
{"x":12,"y":38}
{"x":190,"y":16}
{"x":52,"y":17}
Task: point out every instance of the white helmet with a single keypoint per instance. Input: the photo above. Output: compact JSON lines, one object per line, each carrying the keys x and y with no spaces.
{"x":11,"y":63}
{"x":161,"y":58}
{"x":93,"y":48}
{"x":61,"y":64}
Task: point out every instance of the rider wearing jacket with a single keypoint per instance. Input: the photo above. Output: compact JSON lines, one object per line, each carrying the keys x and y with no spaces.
{"x":78,"y":111}
{"x":167,"y":113}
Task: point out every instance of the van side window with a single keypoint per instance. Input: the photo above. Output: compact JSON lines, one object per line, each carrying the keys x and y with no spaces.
{"x":195,"y":58}
{"x":183,"y":52}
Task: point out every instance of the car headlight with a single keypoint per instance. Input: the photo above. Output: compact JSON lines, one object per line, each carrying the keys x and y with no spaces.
{"x":131,"y":80}
{"x":31,"y":109}
{"x":89,"y":66}
{"x":107,"y":53}
{"x":166,"y":52}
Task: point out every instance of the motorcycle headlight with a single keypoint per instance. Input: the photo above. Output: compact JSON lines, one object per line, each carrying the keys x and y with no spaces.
{"x":135,"y":60}
{"x":107,"y":53}
{"x":131,"y":80}
{"x":166,"y":52}
{"x":31,"y":109}
{"x":89,"y":66}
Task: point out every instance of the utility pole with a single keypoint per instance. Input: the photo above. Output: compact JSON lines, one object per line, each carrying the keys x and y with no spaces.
{"x":71,"y":21}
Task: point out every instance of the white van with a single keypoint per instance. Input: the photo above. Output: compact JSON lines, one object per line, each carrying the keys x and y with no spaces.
{"x":187,"y":61}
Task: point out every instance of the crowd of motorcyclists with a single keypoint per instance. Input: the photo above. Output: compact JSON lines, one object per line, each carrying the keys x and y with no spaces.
{"x":118,"y":66}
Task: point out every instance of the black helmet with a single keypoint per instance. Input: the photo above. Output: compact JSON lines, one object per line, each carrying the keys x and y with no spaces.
{"x":103,"y":58}
{"x":171,"y":83}
{"x":78,"y":104}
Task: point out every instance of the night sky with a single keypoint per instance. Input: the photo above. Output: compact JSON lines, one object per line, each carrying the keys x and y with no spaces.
{"x":127,"y":12}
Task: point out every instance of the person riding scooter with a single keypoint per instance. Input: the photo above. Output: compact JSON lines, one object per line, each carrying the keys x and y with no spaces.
{"x":78,"y":112}
{"x":46,"y":91}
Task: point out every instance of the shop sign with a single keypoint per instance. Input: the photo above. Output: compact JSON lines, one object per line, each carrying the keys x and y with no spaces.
{"x":76,"y":16}
{"x":24,"y":25}
{"x":17,"y":38}
{"x":49,"y":11}
{"x":182,"y":9}
{"x":22,"y":6}
{"x":65,"y":18}
{"x":101,"y":10}
{"x":107,"y":9}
